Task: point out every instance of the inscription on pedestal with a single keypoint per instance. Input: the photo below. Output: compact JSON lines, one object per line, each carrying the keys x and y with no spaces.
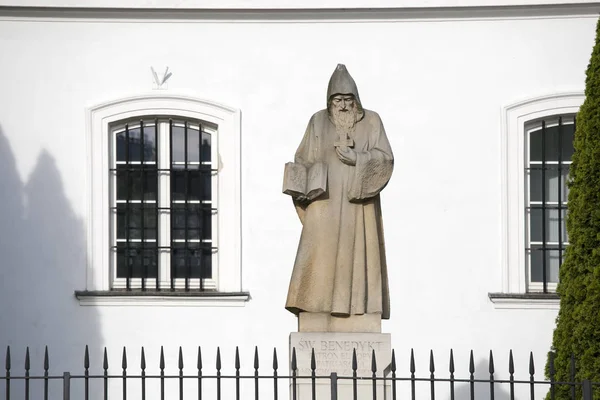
{"x":333,"y":352}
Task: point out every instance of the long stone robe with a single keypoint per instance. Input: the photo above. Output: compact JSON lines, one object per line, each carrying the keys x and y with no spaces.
{"x":340,"y":265}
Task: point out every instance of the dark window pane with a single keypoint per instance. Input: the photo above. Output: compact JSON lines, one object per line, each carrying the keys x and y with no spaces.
{"x":183,"y":219}
{"x":122,"y":183}
{"x":551,"y":144}
{"x":551,"y":222}
{"x":130,"y":219}
{"x":177,"y":144}
{"x":565,"y":237}
{"x":201,"y":184}
{"x":193,"y":145}
{"x":568,"y":135}
{"x":198,"y":222}
{"x":552,"y":218}
{"x":196,"y":150}
{"x":121,"y":146}
{"x":179,"y":184}
{"x":536,"y":265}
{"x":144,"y":184}
{"x":535,"y":183}
{"x":565,"y":179}
{"x":535,"y":224}
{"x":535,"y":145}
{"x":552,"y":183}
{"x":137,"y":182}
{"x":135,"y":148}
{"x":136,"y":262}
{"x":552,"y":265}
{"x":191,"y":261}
{"x":205,"y":150}
{"x":135,"y":145}
{"x":207,"y":224}
{"x":194,"y":184}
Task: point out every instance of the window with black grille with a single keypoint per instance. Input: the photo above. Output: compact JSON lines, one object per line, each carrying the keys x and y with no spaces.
{"x":550,"y":150}
{"x":162,"y":206}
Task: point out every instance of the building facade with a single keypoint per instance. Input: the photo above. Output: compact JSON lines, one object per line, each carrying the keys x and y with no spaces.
{"x":142,"y":147}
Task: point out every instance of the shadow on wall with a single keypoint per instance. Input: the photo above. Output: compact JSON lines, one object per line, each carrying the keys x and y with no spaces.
{"x":481,"y":390}
{"x":42,"y":262}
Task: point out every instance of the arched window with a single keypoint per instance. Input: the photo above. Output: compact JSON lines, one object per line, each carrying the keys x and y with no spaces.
{"x":162,"y":173}
{"x":549,"y":151}
{"x":537,"y":145}
{"x":164,"y":202}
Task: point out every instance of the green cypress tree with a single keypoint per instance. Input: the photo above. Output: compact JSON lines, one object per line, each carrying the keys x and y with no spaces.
{"x":577,"y":329}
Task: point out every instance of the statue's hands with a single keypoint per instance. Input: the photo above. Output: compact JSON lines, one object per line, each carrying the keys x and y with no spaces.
{"x":346,"y":155}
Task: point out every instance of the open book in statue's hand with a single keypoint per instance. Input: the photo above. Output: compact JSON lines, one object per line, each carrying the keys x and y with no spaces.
{"x":300,"y":181}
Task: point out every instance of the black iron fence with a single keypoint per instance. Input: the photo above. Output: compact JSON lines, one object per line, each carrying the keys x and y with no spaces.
{"x":384,"y":382}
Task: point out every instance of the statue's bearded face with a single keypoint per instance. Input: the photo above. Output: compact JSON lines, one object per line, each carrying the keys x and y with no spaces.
{"x":344,"y":111}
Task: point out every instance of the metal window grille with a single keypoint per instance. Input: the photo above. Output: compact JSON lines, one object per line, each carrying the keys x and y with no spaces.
{"x":550,"y":150}
{"x":162,"y":205}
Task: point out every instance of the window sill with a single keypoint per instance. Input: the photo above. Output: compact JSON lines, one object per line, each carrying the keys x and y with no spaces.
{"x":161,"y":298}
{"x":525,"y":301}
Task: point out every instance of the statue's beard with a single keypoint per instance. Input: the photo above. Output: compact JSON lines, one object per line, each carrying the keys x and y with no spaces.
{"x":345,"y":121}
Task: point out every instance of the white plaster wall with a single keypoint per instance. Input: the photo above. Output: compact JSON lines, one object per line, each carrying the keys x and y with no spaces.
{"x":439,"y":86}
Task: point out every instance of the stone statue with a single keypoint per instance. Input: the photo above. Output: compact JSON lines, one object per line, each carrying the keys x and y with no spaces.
{"x":340,"y":270}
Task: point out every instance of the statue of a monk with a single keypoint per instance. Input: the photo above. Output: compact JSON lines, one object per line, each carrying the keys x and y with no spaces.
{"x":340,"y":267}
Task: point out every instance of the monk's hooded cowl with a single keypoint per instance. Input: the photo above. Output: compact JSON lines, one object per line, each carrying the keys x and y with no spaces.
{"x":340,"y":266}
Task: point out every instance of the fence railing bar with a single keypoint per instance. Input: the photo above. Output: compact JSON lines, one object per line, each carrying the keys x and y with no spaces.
{"x":354,"y":375}
{"x":256,"y":366}
{"x":86,"y":367}
{"x":199,"y":367}
{"x":531,"y":377}
{"x":46,"y":368}
{"x":66,"y":386}
{"x":275,"y":366}
{"x":143,"y":373}
{"x":412,"y":375}
{"x":237,"y":373}
{"x":451,"y":370}
{"x":472,"y":376}
{"x":294,"y":373}
{"x":491,"y":370}
{"x":218,"y":366}
{"x":180,"y":365}
{"x":572,"y":376}
{"x":334,"y":386}
{"x":552,"y":373}
{"x":431,"y":375}
{"x":27,"y":368}
{"x":161,"y":365}
{"x":587,"y":390}
{"x":393,"y":367}
{"x":511,"y":371}
{"x":313,"y":369}
{"x":124,"y":366}
{"x":7,"y":367}
{"x":374,"y":371}
{"x":105,"y":375}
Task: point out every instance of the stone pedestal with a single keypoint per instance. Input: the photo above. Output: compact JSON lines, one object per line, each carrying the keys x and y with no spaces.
{"x":333,"y":353}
